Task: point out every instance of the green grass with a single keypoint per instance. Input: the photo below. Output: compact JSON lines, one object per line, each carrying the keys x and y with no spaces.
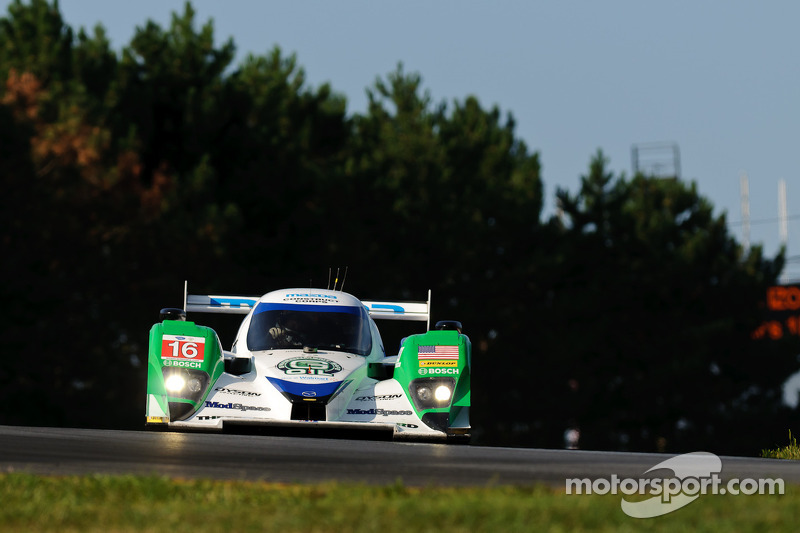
{"x":145,"y":504}
{"x":791,"y":451}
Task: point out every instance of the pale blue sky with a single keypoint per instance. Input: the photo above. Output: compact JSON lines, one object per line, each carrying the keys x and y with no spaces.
{"x":720,"y":79}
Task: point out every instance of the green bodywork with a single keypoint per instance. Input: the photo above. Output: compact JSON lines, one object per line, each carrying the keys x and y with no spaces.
{"x":408,"y":368}
{"x":213,"y":364}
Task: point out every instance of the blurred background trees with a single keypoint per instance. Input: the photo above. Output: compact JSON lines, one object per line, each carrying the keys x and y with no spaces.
{"x":628,"y":316}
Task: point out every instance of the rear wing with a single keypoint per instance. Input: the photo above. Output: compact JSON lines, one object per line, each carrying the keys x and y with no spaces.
{"x":210,"y":303}
{"x":418,"y":311}
{"x":241,"y":305}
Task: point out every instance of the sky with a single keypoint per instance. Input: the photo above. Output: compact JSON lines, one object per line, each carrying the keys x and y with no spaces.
{"x":719,"y":80}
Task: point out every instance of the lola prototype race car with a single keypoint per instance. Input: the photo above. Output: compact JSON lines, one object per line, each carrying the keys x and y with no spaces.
{"x":309,"y":358}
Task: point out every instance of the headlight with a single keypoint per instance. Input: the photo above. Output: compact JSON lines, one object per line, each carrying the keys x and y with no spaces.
{"x":185,"y":388}
{"x":185,"y":383}
{"x":175,"y":383}
{"x":432,"y":393}
{"x":443,"y":393}
{"x":194,"y":385}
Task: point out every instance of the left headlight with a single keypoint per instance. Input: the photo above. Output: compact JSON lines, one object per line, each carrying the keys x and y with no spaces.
{"x":432,"y":393}
{"x":184,"y":382}
{"x":175,"y":383}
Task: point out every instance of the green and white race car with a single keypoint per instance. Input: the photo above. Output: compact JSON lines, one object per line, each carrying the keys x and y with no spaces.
{"x":309,"y":358}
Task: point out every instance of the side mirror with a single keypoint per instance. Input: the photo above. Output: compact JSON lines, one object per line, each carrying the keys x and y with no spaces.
{"x":449,"y":325}
{"x":172,"y":313}
{"x":237,"y":365}
{"x":383,"y":369}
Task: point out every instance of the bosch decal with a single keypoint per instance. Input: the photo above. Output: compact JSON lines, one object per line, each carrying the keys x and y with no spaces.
{"x":438,"y":371}
{"x":182,"y":364}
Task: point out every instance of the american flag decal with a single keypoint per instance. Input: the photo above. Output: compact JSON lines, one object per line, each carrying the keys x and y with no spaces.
{"x":438,"y":352}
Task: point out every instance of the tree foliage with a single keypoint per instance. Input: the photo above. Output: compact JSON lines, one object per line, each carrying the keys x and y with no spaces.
{"x":628,"y":317}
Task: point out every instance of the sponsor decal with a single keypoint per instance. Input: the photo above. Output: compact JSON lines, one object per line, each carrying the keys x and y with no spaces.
{"x":379,"y":397}
{"x":383,"y":412}
{"x":439,"y":362}
{"x":309,"y":393}
{"x":387,"y":307}
{"x":182,"y":364}
{"x":183,"y":348}
{"x":299,"y":366}
{"x":222,"y":301}
{"x":207,"y":417}
{"x":157,"y":420}
{"x":438,"y":371}
{"x":311,"y":295}
{"x":237,"y":392}
{"x":403,"y":424}
{"x":315,"y":379}
{"x":437,"y":352}
{"x":240,"y":407}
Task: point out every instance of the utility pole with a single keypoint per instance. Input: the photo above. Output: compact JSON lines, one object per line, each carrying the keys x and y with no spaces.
{"x":783,"y":216}
{"x":744,"y":189}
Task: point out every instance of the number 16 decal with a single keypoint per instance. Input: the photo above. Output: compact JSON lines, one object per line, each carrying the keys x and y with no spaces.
{"x":182,"y":347}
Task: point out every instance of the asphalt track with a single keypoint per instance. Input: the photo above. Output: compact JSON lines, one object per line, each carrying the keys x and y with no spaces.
{"x":62,"y":451}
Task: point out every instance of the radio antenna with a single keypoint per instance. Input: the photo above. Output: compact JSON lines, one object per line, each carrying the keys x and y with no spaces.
{"x":335,"y":281}
{"x":344,"y":278}
{"x":329,"y":280}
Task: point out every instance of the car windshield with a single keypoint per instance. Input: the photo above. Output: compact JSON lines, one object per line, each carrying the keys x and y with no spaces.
{"x":276,"y":326}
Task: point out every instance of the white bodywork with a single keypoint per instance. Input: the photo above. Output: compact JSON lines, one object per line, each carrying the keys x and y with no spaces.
{"x":259,"y":397}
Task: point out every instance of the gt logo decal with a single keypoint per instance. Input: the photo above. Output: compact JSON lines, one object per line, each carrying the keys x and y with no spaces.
{"x":182,"y":347}
{"x":309,"y":366}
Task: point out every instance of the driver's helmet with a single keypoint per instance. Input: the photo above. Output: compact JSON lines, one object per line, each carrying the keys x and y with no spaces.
{"x":295,"y":322}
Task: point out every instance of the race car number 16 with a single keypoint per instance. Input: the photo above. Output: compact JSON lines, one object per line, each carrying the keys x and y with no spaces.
{"x":182,"y":347}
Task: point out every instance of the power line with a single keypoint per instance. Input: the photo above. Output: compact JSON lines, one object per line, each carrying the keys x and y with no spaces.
{"x":764,"y":220}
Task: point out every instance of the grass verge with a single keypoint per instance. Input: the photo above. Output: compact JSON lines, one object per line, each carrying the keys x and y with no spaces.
{"x":149,"y":504}
{"x":792,"y":451}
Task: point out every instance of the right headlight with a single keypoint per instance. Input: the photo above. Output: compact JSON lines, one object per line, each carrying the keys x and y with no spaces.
{"x":432,"y":393}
